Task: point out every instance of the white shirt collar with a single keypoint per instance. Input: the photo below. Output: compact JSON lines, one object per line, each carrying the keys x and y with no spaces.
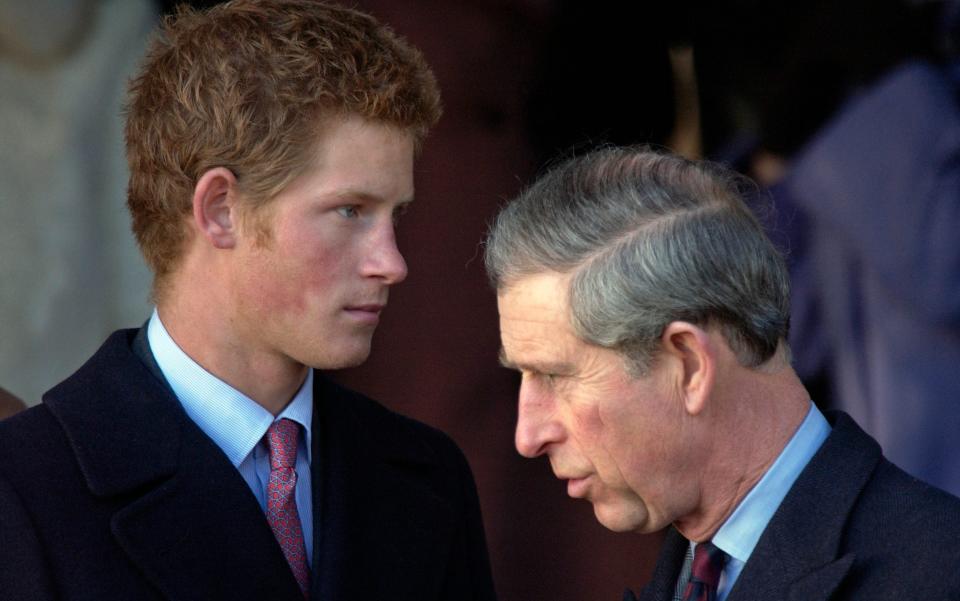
{"x":234,"y":421}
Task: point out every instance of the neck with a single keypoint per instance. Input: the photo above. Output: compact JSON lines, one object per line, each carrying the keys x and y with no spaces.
{"x":196,"y":320}
{"x":755,"y":417}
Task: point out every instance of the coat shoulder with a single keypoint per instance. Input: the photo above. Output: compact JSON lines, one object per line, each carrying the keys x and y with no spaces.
{"x":903,"y":533}
{"x":901,"y":511}
{"x":394,"y":432}
{"x":30,"y":444}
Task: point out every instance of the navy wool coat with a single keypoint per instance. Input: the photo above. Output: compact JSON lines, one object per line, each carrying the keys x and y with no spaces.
{"x":854,"y":527}
{"x":109,"y":491}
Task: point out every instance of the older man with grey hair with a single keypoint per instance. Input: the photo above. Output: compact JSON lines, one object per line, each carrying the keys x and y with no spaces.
{"x":647,"y":312}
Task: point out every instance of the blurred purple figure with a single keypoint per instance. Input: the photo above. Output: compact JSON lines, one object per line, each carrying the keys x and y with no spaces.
{"x":877,"y":279}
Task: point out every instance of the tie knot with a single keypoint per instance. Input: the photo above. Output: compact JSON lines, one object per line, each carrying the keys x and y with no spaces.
{"x":282,"y":437}
{"x":708,"y":562}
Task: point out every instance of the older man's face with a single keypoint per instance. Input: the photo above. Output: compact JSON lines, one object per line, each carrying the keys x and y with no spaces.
{"x":618,"y":441}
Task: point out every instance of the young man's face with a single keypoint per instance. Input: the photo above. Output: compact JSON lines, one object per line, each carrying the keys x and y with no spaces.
{"x":617,"y":440}
{"x":315,"y":290}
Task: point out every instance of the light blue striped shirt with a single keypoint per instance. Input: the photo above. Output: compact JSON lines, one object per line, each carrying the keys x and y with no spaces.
{"x":237,"y":423}
{"x":739,"y":534}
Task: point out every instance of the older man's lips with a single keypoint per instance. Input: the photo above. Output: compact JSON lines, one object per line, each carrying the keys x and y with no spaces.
{"x":577,"y":487}
{"x":365,"y":313}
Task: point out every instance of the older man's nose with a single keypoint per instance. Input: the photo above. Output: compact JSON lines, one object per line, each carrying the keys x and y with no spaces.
{"x":537,"y":426}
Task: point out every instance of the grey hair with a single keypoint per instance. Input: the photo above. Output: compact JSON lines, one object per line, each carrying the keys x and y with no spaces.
{"x":648,"y":238}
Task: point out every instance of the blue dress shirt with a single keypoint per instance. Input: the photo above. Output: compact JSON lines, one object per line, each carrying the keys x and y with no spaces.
{"x":739,"y":534}
{"x":237,"y":423}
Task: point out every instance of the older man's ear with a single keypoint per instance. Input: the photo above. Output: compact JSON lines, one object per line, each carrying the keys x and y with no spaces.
{"x":692,"y":353}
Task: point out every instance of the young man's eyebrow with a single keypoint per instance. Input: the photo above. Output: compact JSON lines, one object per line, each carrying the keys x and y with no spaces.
{"x":360,"y":195}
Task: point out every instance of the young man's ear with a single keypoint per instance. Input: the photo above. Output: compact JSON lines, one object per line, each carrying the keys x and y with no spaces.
{"x":695,"y":356}
{"x":215,"y":210}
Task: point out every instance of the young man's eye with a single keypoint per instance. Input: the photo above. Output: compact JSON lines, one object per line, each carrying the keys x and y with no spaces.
{"x":349,"y":211}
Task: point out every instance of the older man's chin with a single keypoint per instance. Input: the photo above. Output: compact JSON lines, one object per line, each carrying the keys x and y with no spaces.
{"x":624,"y":519}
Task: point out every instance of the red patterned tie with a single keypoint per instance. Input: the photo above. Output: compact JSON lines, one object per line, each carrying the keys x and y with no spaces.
{"x":281,"y":499}
{"x":708,"y":562}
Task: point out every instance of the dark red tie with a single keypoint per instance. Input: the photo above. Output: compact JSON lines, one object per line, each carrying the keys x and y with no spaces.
{"x":282,"y":512}
{"x":708,"y":562}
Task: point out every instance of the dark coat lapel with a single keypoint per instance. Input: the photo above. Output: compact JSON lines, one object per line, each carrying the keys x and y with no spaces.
{"x":797,"y":557}
{"x":669,"y":564}
{"x":386,"y":531}
{"x":184,"y":515}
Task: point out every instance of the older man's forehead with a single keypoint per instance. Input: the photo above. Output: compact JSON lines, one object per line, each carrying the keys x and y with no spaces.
{"x":545,"y":284}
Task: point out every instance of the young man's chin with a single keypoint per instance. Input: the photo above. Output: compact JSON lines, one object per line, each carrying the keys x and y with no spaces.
{"x":341,"y":358}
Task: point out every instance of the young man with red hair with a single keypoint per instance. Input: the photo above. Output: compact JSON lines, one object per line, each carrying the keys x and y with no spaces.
{"x":204,"y":456}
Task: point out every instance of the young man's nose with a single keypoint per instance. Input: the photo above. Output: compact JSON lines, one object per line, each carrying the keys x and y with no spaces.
{"x":384,"y":259}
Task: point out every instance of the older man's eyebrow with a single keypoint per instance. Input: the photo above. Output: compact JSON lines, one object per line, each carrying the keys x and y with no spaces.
{"x":504,"y":362}
{"x":560,"y":368}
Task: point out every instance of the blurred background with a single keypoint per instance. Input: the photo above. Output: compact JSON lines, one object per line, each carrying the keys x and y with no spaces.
{"x":844,"y":111}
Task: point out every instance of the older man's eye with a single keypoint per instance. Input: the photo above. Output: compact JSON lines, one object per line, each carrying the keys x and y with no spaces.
{"x":399,"y":212}
{"x":349,"y":211}
{"x":547,"y":379}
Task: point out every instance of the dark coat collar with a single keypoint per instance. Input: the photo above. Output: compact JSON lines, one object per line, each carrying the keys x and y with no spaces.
{"x":799,"y":554}
{"x":123,"y":423}
{"x":386,"y":530}
{"x":665,"y":574}
{"x":187,"y":518}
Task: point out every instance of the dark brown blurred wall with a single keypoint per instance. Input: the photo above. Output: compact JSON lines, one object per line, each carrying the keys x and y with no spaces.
{"x":435,"y":353}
